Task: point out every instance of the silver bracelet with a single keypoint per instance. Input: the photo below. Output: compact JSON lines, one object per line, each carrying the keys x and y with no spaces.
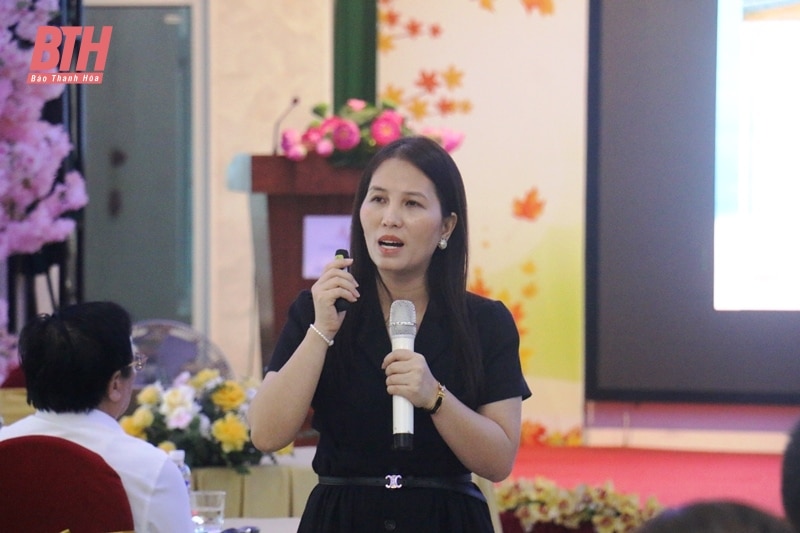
{"x":328,"y":341}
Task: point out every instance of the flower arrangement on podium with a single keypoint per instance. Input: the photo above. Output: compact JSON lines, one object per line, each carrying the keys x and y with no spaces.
{"x":352,"y":135}
{"x":539,"y":504}
{"x":202,"y":414}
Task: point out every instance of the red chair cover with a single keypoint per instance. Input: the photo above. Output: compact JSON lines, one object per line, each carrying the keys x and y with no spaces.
{"x":49,"y":484}
{"x":14,"y":379}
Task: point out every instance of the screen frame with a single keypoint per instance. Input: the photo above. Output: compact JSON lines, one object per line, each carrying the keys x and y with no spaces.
{"x":628,"y":306}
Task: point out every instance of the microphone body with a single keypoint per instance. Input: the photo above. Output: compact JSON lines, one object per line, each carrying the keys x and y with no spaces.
{"x":341,"y":304}
{"x":402,"y":330}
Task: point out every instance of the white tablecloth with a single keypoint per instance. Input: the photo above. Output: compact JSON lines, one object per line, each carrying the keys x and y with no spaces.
{"x":266,"y":525}
{"x":269,"y":491}
{"x":282,"y":489}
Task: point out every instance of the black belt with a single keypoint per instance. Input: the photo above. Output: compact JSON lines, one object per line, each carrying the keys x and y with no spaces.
{"x":462,"y":484}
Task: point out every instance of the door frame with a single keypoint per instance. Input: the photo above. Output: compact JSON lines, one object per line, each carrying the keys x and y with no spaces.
{"x":200,"y":160}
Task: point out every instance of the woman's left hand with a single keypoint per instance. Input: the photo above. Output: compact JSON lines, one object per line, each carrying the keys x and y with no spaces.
{"x":408,"y":375}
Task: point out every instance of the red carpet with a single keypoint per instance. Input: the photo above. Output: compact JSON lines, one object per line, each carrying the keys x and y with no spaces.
{"x":673,"y":477}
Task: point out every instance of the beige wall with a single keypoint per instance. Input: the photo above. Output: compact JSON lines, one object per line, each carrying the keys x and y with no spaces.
{"x":260,"y":55}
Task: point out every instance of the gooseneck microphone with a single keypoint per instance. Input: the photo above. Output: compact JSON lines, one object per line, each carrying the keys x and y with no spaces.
{"x":277,"y":125}
{"x":402,"y":330}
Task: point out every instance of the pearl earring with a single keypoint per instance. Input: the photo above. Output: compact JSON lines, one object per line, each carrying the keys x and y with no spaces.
{"x":442,"y":243}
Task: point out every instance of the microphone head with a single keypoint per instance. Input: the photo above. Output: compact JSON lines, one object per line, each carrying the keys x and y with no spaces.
{"x":402,"y":318}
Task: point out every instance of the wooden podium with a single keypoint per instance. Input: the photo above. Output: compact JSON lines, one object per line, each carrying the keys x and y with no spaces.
{"x":293,"y":190}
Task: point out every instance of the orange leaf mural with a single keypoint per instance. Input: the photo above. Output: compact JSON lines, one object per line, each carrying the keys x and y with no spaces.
{"x":427,"y":81}
{"x":529,"y":207}
{"x":435,"y":86}
{"x":545,"y":7}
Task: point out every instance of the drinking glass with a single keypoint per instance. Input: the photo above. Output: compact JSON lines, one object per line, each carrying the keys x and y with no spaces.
{"x":208,"y":510}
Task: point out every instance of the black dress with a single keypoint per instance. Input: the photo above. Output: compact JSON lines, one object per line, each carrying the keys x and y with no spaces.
{"x":353,"y":415}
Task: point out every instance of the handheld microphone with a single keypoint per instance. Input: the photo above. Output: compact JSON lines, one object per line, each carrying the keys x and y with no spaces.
{"x":402,"y":330}
{"x":275,"y":133}
{"x":341,"y":304}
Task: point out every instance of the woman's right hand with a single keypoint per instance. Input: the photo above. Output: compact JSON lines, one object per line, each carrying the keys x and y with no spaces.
{"x":335,"y":282}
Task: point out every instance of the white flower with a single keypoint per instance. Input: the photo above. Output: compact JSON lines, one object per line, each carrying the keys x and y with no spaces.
{"x":205,"y":426}
{"x":179,"y":418}
{"x":212,"y":384}
{"x":180,"y":397}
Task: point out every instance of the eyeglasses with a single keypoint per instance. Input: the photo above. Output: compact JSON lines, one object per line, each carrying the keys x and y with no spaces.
{"x":139,"y":360}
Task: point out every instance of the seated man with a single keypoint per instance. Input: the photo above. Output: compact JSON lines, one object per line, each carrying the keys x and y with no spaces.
{"x":79,"y":367}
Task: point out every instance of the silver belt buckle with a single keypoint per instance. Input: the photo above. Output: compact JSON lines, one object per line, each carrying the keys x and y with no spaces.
{"x":394,"y":481}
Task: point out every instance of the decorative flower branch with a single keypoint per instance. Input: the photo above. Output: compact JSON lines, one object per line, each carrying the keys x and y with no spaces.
{"x":34,"y":202}
{"x":35,"y":198}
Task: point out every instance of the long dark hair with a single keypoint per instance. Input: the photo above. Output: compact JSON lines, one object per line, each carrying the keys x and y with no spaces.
{"x":447,"y":272}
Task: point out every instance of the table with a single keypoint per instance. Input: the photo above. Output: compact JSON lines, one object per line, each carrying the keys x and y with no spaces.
{"x":266,"y":525}
{"x":14,"y":405}
{"x":281,"y":489}
{"x":271,"y":490}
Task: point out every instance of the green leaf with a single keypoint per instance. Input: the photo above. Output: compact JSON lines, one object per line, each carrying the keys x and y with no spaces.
{"x":320,"y":110}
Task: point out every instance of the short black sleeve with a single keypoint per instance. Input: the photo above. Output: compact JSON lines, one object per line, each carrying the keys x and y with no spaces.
{"x":499,"y":340}
{"x":301,"y":314}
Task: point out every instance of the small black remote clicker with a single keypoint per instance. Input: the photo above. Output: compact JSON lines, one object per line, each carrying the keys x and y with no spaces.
{"x":341,"y":304}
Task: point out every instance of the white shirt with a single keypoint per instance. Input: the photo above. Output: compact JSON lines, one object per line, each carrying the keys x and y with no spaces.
{"x":156,"y":490}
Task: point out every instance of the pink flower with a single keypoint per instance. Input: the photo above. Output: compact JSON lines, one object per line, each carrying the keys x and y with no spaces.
{"x":180,"y":418}
{"x":296,"y":152}
{"x":325,"y":147}
{"x":329,"y":124}
{"x":356,"y":105}
{"x":353,"y":135}
{"x":290,"y":137}
{"x":346,"y":135}
{"x":292,"y":145}
{"x":393,"y":116}
{"x":451,"y":139}
{"x":386,"y":128}
{"x":447,"y":138}
{"x":312,"y":136}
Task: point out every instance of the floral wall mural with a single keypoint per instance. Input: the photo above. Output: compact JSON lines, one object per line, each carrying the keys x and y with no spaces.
{"x":467,"y":65}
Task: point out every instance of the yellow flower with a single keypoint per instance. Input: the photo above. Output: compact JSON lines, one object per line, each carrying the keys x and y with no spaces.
{"x":229,"y":396}
{"x":167,"y":446}
{"x":130,"y":428}
{"x":138,"y":422}
{"x":286,"y":450}
{"x":203,"y":377}
{"x":142,"y":417}
{"x":231,"y":432}
{"x":150,"y":395}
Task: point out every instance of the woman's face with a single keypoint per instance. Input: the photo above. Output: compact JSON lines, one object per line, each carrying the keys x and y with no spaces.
{"x":402,"y":219}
